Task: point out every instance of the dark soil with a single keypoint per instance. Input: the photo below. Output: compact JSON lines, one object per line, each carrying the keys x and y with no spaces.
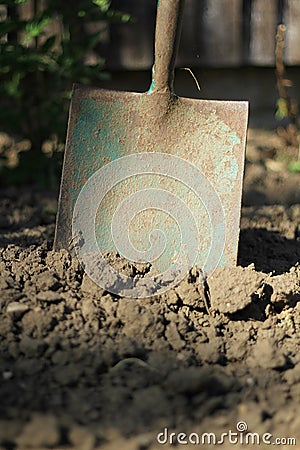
{"x":83,"y":369}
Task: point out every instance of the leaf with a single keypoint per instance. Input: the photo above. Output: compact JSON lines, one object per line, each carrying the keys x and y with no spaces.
{"x":294,"y":166}
{"x":12,"y":86}
{"x":282,"y":111}
{"x":104,"y":5}
{"x":35,"y":27}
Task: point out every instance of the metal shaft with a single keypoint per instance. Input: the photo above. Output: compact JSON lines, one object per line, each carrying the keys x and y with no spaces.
{"x":167,"y":36}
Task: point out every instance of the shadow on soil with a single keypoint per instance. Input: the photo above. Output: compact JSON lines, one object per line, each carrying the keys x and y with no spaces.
{"x":269,"y":251}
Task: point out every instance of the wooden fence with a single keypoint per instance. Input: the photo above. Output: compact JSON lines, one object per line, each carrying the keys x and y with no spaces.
{"x":216,"y":33}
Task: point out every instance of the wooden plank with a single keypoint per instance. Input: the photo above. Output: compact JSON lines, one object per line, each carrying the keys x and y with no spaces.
{"x":131,"y":44}
{"x":292,"y":21}
{"x":3,"y":17}
{"x":222,"y":33}
{"x":263,"y":31}
{"x":246,"y":30}
{"x":188,"y":35}
{"x":26,"y":10}
{"x":213,"y":34}
{"x":191,"y":49}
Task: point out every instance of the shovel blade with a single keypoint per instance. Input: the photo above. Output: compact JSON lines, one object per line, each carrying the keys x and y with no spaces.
{"x":149,"y":162}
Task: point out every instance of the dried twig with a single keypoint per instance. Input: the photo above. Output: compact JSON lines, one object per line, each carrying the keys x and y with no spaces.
{"x":193,"y":75}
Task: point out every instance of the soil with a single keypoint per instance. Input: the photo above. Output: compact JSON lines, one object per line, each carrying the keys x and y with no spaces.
{"x":83,"y":369}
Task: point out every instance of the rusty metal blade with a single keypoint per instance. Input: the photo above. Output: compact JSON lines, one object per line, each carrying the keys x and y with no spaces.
{"x":105,"y":126}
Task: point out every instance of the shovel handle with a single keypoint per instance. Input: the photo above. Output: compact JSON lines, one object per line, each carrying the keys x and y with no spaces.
{"x":167,"y":36}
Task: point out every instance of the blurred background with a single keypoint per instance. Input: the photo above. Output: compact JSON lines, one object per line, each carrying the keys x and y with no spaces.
{"x":229,"y":45}
{"x":230,"y":49}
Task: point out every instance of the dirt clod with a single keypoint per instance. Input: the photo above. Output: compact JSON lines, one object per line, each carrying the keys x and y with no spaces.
{"x":40,"y":431}
{"x":230,"y":297}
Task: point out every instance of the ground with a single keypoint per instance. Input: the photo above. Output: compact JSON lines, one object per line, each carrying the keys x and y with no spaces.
{"x":83,"y":369}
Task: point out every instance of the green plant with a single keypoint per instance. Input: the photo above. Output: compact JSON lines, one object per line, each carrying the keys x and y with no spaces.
{"x":287,"y":107}
{"x":38,"y":64}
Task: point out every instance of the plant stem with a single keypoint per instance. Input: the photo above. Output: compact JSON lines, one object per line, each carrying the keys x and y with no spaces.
{"x":282,"y":82}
